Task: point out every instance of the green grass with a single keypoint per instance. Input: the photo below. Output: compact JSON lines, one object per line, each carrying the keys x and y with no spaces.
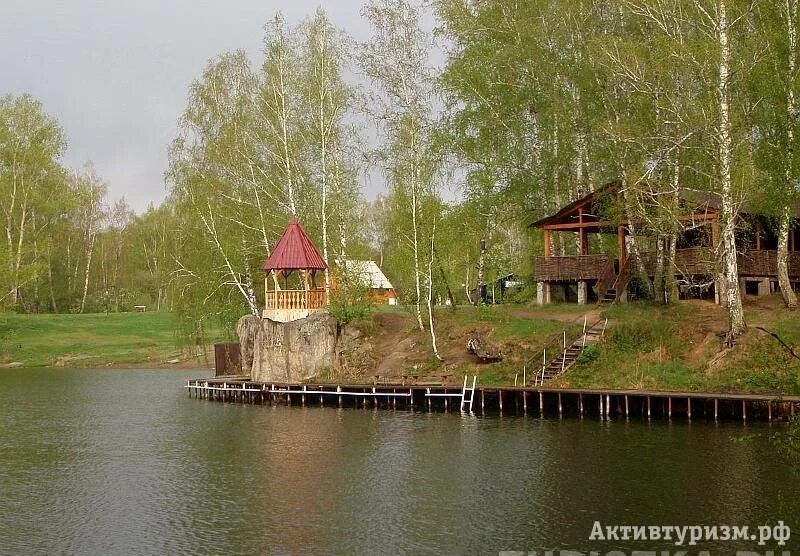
{"x":89,"y":339}
{"x":655,"y":348}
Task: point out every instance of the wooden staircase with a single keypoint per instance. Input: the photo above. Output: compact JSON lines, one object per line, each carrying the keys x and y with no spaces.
{"x":608,"y":297}
{"x":570,"y":353}
{"x":611,"y":284}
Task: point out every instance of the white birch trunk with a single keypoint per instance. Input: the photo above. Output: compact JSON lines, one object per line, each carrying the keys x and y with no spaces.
{"x":785,"y":225}
{"x":787,"y":292}
{"x":728,"y":211}
{"x":431,"y":327}
{"x":86,"y":273}
{"x":414,"y":208}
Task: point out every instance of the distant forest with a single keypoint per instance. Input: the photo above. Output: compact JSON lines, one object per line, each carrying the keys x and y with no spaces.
{"x":535,"y":105}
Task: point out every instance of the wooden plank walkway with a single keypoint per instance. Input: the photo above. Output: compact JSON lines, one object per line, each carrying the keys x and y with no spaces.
{"x":541,"y":401}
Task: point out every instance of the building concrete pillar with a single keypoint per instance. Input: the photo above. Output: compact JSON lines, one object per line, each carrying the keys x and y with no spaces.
{"x":582,"y":291}
{"x":764,"y":287}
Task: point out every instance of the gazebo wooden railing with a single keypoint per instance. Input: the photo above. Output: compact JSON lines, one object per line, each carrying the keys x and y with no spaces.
{"x":296,"y":299}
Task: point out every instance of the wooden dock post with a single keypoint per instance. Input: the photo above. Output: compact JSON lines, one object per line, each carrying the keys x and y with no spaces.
{"x":744,"y":411}
{"x":483,"y":406}
{"x":560,"y":407}
{"x":627,"y":407}
{"x":428,"y":391}
{"x":716,"y":409}
{"x":689,"y":407}
{"x":524,"y":402}
{"x":669,"y":407}
{"x":608,"y":406}
{"x":303,"y":397}
{"x":769,"y":411}
{"x":541,"y":404}
{"x":339,"y":389}
{"x":649,"y":412}
{"x":580,"y":403}
{"x":500,"y":398}
{"x":601,"y":407}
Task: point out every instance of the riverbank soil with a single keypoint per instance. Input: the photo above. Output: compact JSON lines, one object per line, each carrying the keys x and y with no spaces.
{"x":645,"y":347}
{"x":97,"y":340}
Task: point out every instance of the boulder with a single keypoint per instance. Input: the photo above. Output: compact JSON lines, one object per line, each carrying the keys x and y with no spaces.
{"x":287,"y":351}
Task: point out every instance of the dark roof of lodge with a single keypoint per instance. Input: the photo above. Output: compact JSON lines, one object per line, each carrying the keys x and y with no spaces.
{"x":702,"y":200}
{"x":294,"y":251}
{"x":572,"y":208}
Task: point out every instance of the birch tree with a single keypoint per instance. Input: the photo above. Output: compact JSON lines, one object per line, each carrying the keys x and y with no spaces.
{"x":31,"y":144}
{"x":326,"y":101}
{"x":775,"y":88}
{"x":395,"y":60}
{"x":699,"y":33}
{"x":89,"y":214}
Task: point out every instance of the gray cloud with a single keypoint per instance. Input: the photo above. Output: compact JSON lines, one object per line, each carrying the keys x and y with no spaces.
{"x":116,"y":73}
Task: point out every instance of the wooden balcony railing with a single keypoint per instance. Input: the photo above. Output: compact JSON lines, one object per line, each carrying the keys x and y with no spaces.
{"x":296,"y":299}
{"x":765,"y":263}
{"x":585,"y":267}
{"x":691,"y":261}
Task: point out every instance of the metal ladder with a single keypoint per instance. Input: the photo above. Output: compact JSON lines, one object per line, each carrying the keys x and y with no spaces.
{"x":464,"y":390}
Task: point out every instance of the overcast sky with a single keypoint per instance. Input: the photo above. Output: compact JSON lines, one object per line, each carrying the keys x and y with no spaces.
{"x":115,"y":73}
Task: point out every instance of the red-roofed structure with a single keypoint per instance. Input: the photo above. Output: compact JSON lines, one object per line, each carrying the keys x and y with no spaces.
{"x":294,"y":252}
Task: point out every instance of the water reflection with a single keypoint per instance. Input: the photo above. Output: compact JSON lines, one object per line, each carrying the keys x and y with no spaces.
{"x":122,"y":462}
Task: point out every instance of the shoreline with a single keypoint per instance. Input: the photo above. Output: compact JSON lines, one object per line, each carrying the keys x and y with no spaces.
{"x":608,"y":404}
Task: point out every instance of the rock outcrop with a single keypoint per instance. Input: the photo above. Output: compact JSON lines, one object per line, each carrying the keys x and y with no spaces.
{"x":287,"y":351}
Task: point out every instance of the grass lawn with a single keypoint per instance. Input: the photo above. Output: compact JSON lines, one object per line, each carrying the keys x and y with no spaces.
{"x":645,"y":347}
{"x":681,"y":348}
{"x":90,"y":339}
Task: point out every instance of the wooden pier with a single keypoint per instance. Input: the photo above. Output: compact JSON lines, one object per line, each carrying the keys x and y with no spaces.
{"x":535,"y":401}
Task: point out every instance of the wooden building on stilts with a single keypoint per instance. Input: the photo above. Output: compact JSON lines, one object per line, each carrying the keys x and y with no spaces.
{"x":607,"y":273}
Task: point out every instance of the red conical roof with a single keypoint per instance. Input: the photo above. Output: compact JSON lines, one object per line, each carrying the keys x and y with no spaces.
{"x":294,"y":251}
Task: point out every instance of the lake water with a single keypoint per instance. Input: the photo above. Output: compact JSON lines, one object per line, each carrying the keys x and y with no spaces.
{"x":123,"y":462}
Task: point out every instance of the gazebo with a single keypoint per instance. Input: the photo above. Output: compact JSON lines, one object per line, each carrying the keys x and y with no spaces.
{"x":294,"y":296}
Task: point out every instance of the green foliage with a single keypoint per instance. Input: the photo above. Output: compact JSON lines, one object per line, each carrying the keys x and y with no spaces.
{"x":351,"y":299}
{"x":588,"y":355}
{"x":524,"y":295}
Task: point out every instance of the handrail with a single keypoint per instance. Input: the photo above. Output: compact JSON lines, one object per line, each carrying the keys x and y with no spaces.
{"x":602,"y":282}
{"x":559,"y":337}
{"x":622,"y":276}
{"x":554,"y":338}
{"x":539,"y":376}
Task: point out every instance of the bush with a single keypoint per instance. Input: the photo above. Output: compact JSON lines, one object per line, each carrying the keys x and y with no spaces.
{"x":350,"y":299}
{"x":588,"y":355}
{"x":526,"y":294}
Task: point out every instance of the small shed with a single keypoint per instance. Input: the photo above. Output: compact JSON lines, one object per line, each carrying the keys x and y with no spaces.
{"x":292,"y":271}
{"x":370,"y":274}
